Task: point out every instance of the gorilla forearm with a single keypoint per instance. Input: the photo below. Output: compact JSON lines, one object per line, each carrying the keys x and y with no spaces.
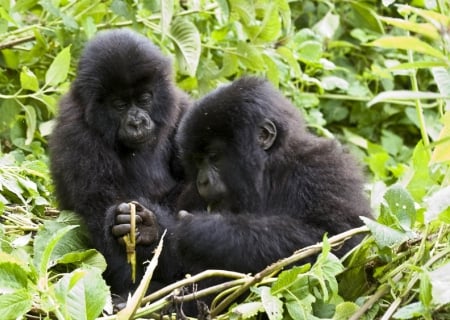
{"x":245,"y":243}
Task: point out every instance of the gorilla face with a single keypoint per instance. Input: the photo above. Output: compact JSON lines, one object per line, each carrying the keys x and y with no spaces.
{"x":136,"y":126}
{"x":126,"y":90}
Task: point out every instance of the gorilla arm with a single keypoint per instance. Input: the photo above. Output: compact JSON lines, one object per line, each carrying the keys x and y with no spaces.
{"x":242,"y":242}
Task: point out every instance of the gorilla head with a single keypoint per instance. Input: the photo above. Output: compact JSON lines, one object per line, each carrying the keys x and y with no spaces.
{"x":237,"y":132}
{"x":124,"y":85}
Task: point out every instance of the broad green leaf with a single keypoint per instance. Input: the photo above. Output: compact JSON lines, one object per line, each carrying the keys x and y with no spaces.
{"x":288,"y":56}
{"x":402,"y":95}
{"x":332,"y":82}
{"x":186,"y":39}
{"x":366,"y":17}
{"x":285,"y":13}
{"x":82,"y":294}
{"x":28,"y":80}
{"x":271,"y":25}
{"x":58,"y":70}
{"x":409,"y":311}
{"x":425,"y":295}
{"x":15,"y":305}
{"x":272,"y":305}
{"x":122,"y":8}
{"x":327,"y":26}
{"x":45,"y":260}
{"x":440,"y":282}
{"x":89,"y":257}
{"x":166,"y":16}
{"x":46,"y":127}
{"x":442,"y":78}
{"x":421,"y":180}
{"x":345,"y":310}
{"x":437,"y":203}
{"x":438,"y":20}
{"x":383,"y":235}
{"x":229,"y":65}
{"x":287,"y":278}
{"x":441,"y":152}
{"x":250,"y":56}
{"x":13,"y":275}
{"x":247,"y":310}
{"x":302,"y":309}
{"x":418,"y":65}
{"x":401,"y":206}
{"x":310,"y":51}
{"x":272,"y":72}
{"x":408,"y":43}
{"x":74,"y":240}
{"x":426,"y":29}
{"x":31,"y":120}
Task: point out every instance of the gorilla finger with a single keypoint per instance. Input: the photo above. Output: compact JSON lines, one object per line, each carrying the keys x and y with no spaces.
{"x":120,"y":230}
{"x":147,"y":216}
{"x":126,"y":219}
{"x":123,"y":208}
{"x":183,"y":214}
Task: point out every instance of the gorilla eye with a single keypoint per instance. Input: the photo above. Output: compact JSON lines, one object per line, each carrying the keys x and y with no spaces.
{"x":145,"y":97}
{"x":213,"y":157}
{"x":120,"y":105}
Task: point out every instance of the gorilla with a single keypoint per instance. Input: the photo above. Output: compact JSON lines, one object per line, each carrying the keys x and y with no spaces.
{"x":259,"y":184}
{"x":114,"y":140}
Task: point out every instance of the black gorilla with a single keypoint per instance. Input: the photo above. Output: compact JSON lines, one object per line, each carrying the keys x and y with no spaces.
{"x":261,"y":186}
{"x":113,"y":140}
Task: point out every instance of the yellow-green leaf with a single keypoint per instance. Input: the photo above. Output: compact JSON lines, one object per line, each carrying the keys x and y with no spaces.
{"x":28,"y":80}
{"x":58,"y":70}
{"x":407,"y":43}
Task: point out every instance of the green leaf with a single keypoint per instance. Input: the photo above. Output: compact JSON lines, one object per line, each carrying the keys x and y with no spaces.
{"x":89,"y":257}
{"x":437,"y":203}
{"x":327,"y":26}
{"x":28,"y":80}
{"x":272,"y":72}
{"x":441,"y":152}
{"x":44,"y":262}
{"x":440,"y":282}
{"x":365,"y":17}
{"x":409,"y":311}
{"x":426,"y":29}
{"x":404,"y":95}
{"x":408,"y":43}
{"x":272,"y":305}
{"x":15,"y":305}
{"x":271,"y":25}
{"x":250,"y":56}
{"x":442,"y":78}
{"x":186,"y":39}
{"x":287,"y":278}
{"x":288,"y":56}
{"x":383,"y":235}
{"x":247,"y":310}
{"x":82,"y":294}
{"x":310,"y":51}
{"x":31,"y":120}
{"x":425,"y":295}
{"x":58,"y":70}
{"x":13,"y":275}
{"x":401,"y":204}
{"x":166,"y":16}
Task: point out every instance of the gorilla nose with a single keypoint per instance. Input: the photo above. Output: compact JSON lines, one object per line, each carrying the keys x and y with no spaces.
{"x":136,"y":122}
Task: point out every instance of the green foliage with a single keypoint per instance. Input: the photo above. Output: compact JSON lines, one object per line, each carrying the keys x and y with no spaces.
{"x":375,"y":74}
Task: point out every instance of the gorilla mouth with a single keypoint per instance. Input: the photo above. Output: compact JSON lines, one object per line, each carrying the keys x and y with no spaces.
{"x":137,"y":138}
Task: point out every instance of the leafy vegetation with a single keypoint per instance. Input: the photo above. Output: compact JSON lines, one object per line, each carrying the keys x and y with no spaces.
{"x":374,"y":74}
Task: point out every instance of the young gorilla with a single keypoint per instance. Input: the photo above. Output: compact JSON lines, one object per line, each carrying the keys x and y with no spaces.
{"x":113,"y":140}
{"x":269,"y":187}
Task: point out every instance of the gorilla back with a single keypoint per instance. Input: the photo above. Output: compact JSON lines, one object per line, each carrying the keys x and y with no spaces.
{"x":113,"y":140}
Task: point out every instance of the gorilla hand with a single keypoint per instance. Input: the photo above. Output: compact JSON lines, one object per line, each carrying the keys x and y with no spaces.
{"x":146,"y":224}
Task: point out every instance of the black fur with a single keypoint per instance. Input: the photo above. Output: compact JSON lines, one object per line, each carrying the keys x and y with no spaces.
{"x":113,"y":140}
{"x":279,"y":200}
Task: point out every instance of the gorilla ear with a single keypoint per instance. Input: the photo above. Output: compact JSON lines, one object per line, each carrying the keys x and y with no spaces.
{"x":267,"y":134}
